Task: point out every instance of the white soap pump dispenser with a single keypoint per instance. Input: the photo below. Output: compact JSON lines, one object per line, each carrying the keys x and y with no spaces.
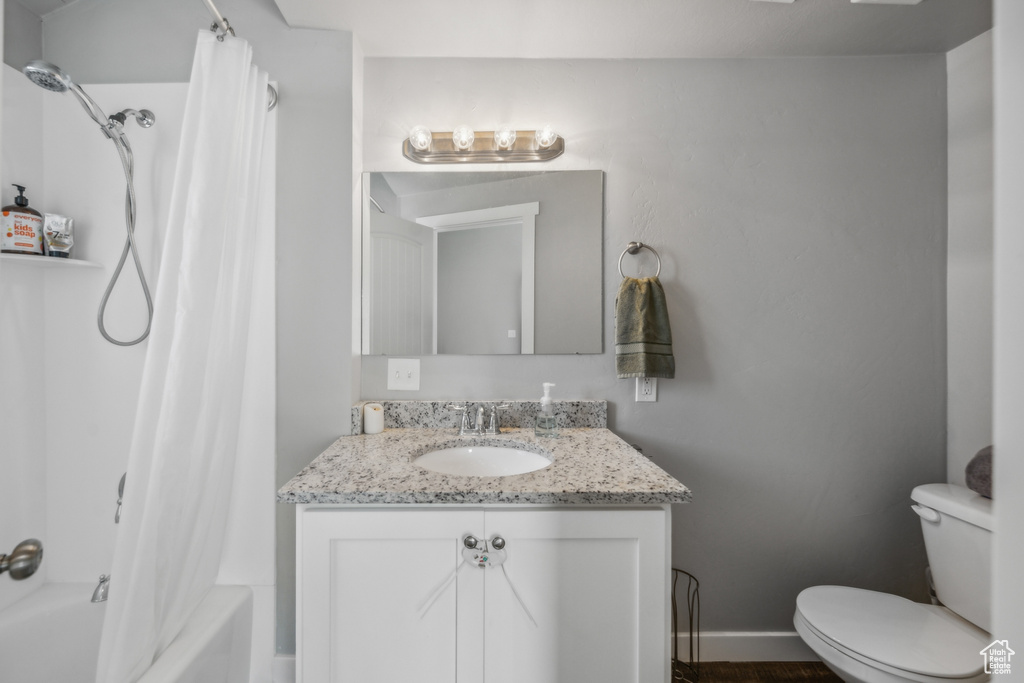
{"x":546,"y":425}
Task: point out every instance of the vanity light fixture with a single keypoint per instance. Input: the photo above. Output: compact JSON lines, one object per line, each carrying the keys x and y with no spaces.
{"x":463,"y":145}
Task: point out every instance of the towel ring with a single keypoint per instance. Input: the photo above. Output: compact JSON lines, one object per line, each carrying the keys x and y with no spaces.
{"x":633,"y":248}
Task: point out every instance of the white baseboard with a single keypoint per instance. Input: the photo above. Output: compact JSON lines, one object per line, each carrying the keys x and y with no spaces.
{"x":284,"y":669}
{"x":747,"y":646}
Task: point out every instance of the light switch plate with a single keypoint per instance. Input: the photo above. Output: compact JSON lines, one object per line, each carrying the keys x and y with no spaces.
{"x":403,"y":374}
{"x":646,"y":389}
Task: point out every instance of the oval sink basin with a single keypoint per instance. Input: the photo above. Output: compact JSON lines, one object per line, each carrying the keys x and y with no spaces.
{"x":482,"y":461}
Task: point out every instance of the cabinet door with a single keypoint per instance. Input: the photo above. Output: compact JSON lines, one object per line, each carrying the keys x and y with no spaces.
{"x":595,"y":582}
{"x":365,"y":578}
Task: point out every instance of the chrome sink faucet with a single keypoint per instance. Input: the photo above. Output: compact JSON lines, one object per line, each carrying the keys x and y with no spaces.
{"x":476,"y":427}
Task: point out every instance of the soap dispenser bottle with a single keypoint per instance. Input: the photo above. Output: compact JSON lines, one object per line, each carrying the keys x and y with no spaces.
{"x":546,"y":417}
{"x":21,"y":227}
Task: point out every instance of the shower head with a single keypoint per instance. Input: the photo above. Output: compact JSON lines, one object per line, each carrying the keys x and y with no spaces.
{"x":53,"y":78}
{"x":48,"y":76}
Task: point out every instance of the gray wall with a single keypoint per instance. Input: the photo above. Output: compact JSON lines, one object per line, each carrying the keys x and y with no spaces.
{"x":969,"y":268}
{"x":567,"y":271}
{"x":479,"y":289}
{"x":23,"y":35}
{"x":799,"y":207}
{"x":153,"y":41}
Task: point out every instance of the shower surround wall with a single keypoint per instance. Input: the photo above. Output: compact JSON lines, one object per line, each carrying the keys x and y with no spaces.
{"x":82,"y":390}
{"x":315,"y":368}
{"x":799,"y":208}
{"x":22,"y":327}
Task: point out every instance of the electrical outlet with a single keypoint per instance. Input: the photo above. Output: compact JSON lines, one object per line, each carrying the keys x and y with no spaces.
{"x":646,"y":389}
{"x":404,"y":374}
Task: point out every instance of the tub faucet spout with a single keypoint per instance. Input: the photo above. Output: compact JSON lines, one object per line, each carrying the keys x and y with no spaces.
{"x":100,"y":594}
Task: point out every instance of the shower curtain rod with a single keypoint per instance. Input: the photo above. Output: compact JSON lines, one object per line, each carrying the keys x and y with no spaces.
{"x":218,"y":18}
{"x":220,"y":23}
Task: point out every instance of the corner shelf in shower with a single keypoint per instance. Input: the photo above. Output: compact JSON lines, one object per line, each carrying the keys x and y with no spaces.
{"x":46,"y":261}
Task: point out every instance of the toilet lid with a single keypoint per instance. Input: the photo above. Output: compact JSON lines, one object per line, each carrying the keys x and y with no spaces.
{"x":894,"y":631}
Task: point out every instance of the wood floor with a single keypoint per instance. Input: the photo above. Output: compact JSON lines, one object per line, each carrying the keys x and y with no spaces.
{"x":755,"y":672}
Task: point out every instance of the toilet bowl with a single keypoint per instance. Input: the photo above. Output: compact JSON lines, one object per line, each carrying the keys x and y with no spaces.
{"x":870,"y":637}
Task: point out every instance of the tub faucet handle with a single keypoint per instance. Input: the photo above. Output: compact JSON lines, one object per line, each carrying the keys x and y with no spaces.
{"x":120,"y":497}
{"x":23,"y":561}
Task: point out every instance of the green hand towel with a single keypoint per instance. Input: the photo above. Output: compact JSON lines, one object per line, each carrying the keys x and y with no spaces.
{"x":643,"y":338}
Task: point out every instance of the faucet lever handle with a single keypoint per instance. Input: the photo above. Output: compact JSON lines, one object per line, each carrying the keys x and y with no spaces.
{"x":464,"y":426}
{"x":493,"y":422}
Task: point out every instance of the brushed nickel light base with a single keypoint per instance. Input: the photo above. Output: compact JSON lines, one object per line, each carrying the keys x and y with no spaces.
{"x":443,"y":151}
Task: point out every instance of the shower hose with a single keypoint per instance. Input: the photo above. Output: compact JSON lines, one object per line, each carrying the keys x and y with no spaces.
{"x":124,"y":151}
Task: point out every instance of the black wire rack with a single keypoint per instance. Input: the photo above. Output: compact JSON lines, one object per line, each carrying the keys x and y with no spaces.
{"x":689,"y":670}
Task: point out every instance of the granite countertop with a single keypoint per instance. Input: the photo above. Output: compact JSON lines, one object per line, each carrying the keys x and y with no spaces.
{"x":589,"y":466}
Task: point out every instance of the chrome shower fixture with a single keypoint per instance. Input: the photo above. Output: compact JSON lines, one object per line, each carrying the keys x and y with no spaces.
{"x":52,"y":78}
{"x":24,"y":560}
{"x":102,"y":590}
{"x":144,"y":117}
{"x":46,"y":75}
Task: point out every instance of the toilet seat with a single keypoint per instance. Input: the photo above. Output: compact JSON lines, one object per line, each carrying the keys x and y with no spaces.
{"x":905,"y":639}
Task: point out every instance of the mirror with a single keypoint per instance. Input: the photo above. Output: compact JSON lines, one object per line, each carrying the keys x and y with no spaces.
{"x":482,"y":263}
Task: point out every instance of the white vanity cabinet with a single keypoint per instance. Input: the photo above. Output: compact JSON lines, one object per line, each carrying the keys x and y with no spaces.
{"x":386,"y":594}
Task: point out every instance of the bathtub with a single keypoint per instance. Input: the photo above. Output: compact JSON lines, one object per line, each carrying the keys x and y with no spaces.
{"x":54,"y":635}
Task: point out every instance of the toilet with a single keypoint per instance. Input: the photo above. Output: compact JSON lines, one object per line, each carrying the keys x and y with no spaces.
{"x":870,"y":637}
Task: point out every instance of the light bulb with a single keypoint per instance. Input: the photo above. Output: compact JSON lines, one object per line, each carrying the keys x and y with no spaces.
{"x":545,"y":137}
{"x":462,"y":137}
{"x":420,"y":138}
{"x":504,"y":137}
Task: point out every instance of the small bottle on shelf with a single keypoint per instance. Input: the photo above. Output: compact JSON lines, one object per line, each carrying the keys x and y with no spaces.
{"x":21,"y":227}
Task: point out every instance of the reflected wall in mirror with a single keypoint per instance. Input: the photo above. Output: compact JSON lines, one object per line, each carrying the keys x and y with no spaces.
{"x":482,"y":262}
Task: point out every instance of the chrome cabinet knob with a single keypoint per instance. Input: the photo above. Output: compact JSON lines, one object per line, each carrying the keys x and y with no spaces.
{"x":497,"y":542}
{"x":470,"y":542}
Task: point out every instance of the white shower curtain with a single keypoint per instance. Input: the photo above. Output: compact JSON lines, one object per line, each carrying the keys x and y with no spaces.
{"x":182,"y":455}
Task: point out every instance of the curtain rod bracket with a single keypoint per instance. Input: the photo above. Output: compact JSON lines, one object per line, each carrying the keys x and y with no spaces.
{"x":222,"y":31}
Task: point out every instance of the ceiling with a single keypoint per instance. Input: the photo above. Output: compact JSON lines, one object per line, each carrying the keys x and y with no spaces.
{"x":626,"y":29}
{"x":634,"y":29}
{"x":41,"y":8}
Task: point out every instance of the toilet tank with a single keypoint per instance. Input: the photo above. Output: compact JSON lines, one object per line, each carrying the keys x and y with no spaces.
{"x":957,"y":526}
